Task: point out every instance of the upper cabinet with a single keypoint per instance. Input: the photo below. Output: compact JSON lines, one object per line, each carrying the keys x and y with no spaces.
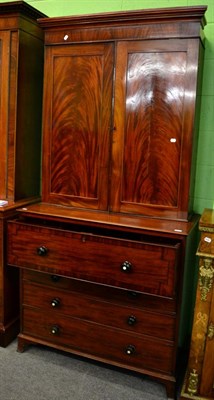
{"x":21,"y":80}
{"x":121,"y":108}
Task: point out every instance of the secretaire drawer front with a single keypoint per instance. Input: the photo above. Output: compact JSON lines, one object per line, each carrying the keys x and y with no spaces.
{"x":140,"y":266}
{"x":135,"y":351}
{"x":77,"y":305}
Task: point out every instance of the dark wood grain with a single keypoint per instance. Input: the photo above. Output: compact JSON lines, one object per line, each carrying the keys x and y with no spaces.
{"x":81,"y":255}
{"x":89,"y":277}
{"x":147,"y":23}
{"x":155,"y":92}
{"x":83,"y":338}
{"x":121,"y":221}
{"x":79,"y":125}
{"x":21,"y":74}
{"x":133,"y":300}
{"x":148,"y":129}
{"x":119,"y":132}
{"x":152,"y":114}
{"x":92,"y":309}
{"x":4,"y":70}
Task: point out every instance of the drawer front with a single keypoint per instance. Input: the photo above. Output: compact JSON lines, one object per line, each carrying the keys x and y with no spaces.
{"x":102,"y":292}
{"x":145,"y":267}
{"x":107,"y":344}
{"x":78,"y":305}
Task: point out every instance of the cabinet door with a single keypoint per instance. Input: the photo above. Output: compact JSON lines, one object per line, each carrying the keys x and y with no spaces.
{"x":4,"y":96}
{"x":155,"y":88}
{"x":77,"y":124}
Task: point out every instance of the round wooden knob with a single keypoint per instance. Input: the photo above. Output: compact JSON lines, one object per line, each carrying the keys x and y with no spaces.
{"x":55,"y":303}
{"x":126,"y":266}
{"x":130,"y":350}
{"x":131,"y":320}
{"x":42,"y":251}
{"x":55,"y":330}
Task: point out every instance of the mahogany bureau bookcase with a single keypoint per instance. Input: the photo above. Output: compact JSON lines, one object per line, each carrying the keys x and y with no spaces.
{"x":102,"y":256}
{"x":21,"y":71}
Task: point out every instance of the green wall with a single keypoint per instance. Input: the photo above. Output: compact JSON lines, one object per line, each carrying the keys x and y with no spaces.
{"x":204,"y":189}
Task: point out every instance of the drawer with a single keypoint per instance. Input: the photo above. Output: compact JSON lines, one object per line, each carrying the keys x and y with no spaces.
{"x":107,"y":344}
{"x":141,"y":266}
{"x":77,"y":305}
{"x":102,"y":292}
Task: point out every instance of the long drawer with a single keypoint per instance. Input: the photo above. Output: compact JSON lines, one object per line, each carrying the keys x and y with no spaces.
{"x":57,"y":302}
{"x":108,"y":344}
{"x":101,"y":292}
{"x":135,"y":265}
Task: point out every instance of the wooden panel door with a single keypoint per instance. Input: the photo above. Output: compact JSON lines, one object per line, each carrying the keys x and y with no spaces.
{"x":77,"y":124}
{"x":4,"y":88}
{"x":153,"y":127}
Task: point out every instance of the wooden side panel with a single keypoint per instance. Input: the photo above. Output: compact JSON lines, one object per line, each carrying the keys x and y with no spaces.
{"x":76,"y":137}
{"x":4,"y":88}
{"x":9,"y":292}
{"x":1,"y":270}
{"x":21,"y":72}
{"x":12,"y":120}
{"x":26,"y":115}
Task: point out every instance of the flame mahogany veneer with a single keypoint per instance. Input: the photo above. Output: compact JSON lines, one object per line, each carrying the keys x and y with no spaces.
{"x":102,"y":257}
